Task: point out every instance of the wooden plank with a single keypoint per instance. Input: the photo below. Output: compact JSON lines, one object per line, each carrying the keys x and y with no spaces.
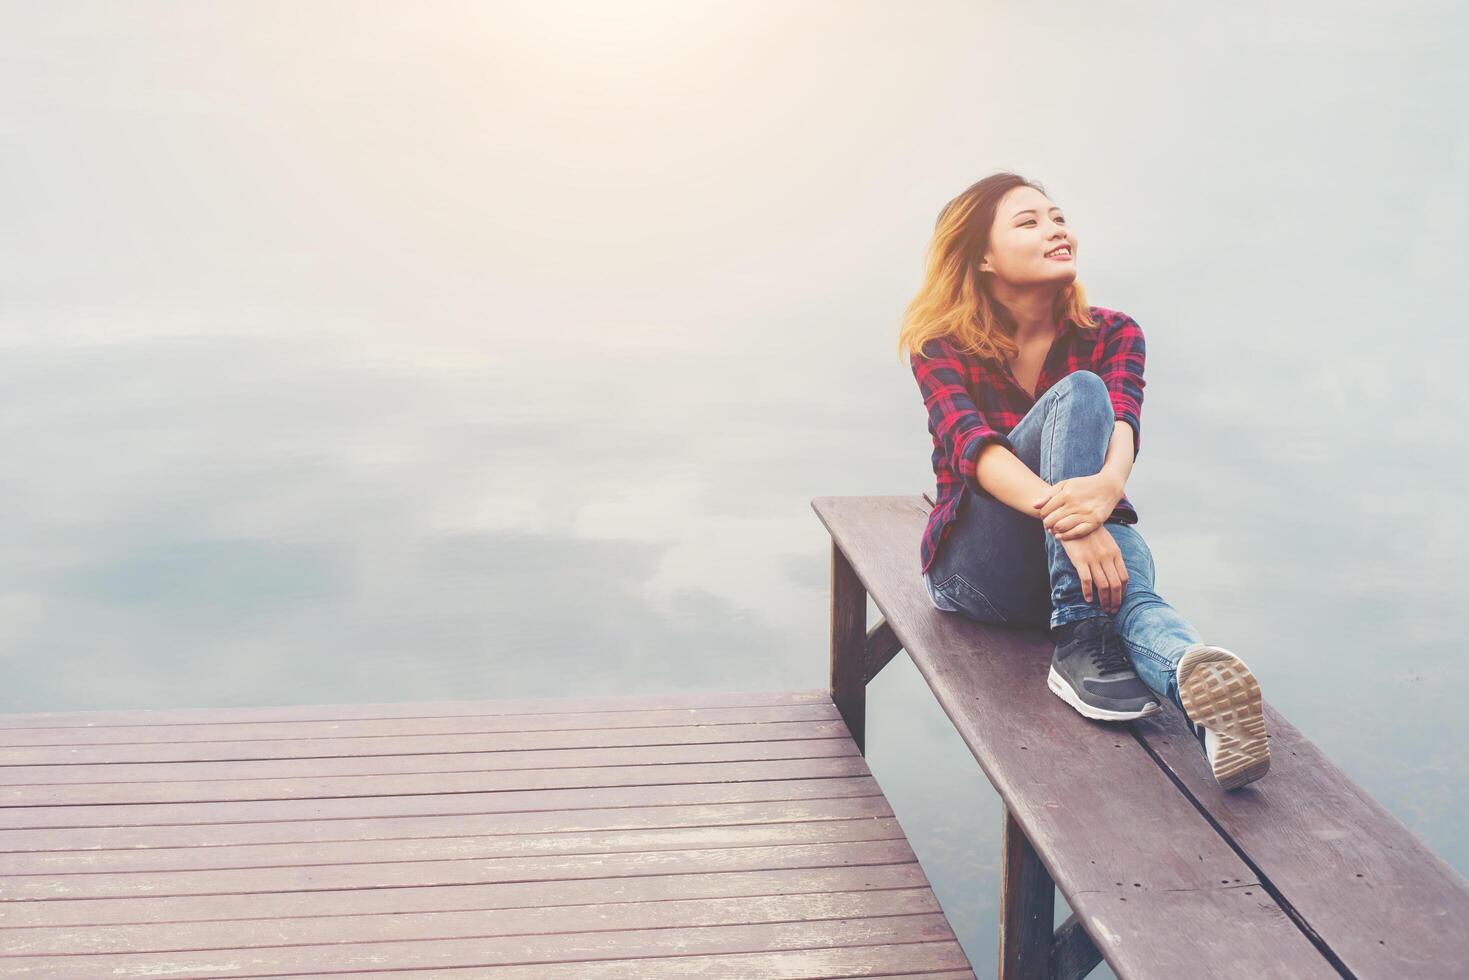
{"x":888,"y":962}
{"x":240,"y":811}
{"x":399,"y":784}
{"x":460,"y":846}
{"x":780,"y":960}
{"x":155,"y":717}
{"x":416,"y":874}
{"x":678,"y":753}
{"x":387,"y":745}
{"x":396,"y":727}
{"x":1122,"y":844}
{"x":57,"y":844}
{"x":1348,"y":869}
{"x":311,"y":930}
{"x":507,"y":896}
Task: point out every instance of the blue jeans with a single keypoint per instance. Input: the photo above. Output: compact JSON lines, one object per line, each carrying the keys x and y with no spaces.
{"x":999,"y":566}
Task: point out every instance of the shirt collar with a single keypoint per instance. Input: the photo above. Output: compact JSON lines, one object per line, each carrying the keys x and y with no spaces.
{"x":1071,"y":323}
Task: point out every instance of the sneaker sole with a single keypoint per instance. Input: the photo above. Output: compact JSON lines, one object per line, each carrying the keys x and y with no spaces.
{"x":1220,"y":693}
{"x":1061,"y":689}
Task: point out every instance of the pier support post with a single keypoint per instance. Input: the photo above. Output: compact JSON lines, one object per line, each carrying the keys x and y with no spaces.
{"x":1030,"y":948}
{"x":1027,"y":907}
{"x":849,"y":646}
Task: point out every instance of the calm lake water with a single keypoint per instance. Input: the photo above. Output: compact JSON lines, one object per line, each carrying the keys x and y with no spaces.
{"x":452,"y":350}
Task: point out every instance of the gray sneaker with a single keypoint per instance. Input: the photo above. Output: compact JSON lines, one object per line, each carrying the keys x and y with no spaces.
{"x":1090,"y":671}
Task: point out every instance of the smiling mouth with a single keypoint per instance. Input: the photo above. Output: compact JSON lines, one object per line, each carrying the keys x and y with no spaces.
{"x":1063,"y":252}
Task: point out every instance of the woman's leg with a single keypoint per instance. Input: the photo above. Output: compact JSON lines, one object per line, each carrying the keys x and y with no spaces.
{"x":1218,"y":694}
{"x":1155,"y":635}
{"x":998,"y":565}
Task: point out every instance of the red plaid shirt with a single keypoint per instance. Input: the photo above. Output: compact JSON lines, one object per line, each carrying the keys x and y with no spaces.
{"x":972,"y":402}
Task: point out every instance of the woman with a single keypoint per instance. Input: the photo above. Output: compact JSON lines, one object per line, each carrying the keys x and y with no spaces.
{"x":1034,"y":401}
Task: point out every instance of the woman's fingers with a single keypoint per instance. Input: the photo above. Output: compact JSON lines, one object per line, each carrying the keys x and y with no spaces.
{"x":1104,"y":579}
{"x":1119,"y":581}
{"x":1079,"y":531}
{"x":1071,"y":527}
{"x":1101,"y":588}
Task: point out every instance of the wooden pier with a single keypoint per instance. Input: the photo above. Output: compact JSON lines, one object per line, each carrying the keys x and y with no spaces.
{"x":696,"y":835}
{"x":715,"y":836}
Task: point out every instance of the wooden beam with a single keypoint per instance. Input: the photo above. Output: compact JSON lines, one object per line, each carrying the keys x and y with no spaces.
{"x":881,"y":647}
{"x":1073,"y":954}
{"x":848,"y":646}
{"x":1027,"y":907}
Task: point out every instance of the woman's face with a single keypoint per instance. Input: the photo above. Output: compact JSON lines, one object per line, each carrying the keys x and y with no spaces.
{"x":1024,"y":241}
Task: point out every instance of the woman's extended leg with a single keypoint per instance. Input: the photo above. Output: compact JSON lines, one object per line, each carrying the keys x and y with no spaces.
{"x":1155,"y":635}
{"x":1219,"y":695}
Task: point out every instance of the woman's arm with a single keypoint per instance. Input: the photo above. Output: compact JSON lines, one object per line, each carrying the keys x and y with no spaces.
{"x":962,"y":432}
{"x":1010,"y":481}
{"x":1117,"y":467}
{"x":965,"y":437}
{"x":1124,"y":353}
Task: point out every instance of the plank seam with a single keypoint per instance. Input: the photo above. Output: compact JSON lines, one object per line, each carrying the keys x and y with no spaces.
{"x":138,"y":849}
{"x":450,"y":884}
{"x":1295,"y":915}
{"x":498,"y":908}
{"x":797,"y":699}
{"x":389,"y":796}
{"x":834,"y":716}
{"x":417,"y":772}
{"x":494,"y":935}
{"x":614,"y":959}
{"x":398,"y":755}
{"x":402,"y":816}
{"x":488,"y":857}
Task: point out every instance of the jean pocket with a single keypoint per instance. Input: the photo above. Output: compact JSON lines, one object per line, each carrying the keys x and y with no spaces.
{"x":969,"y":600}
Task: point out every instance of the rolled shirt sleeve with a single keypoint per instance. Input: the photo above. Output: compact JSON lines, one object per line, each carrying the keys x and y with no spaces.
{"x":959,"y":429}
{"x":1123,"y":353}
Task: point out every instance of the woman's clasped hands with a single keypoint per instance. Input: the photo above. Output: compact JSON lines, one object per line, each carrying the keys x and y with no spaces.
{"x":1076,"y":507}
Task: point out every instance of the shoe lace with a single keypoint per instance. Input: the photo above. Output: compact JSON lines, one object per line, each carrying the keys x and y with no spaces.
{"x":1107,"y":652}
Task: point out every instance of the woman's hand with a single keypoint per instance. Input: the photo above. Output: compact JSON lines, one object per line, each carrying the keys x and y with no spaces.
{"x":1099,"y":565}
{"x":1076,"y":507}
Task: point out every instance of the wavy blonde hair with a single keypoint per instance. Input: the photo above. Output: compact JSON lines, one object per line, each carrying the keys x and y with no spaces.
{"x":954,"y":300}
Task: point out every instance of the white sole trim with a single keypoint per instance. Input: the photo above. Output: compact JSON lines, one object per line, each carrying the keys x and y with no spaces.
{"x":1061,"y":689}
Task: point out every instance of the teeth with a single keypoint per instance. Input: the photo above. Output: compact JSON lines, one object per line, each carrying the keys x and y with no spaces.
{"x":1057,"y":251}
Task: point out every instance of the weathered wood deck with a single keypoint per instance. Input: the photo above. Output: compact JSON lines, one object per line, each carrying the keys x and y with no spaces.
{"x":696,"y":835}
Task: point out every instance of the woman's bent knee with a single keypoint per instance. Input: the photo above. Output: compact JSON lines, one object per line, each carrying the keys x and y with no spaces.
{"x":1086,"y":384}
